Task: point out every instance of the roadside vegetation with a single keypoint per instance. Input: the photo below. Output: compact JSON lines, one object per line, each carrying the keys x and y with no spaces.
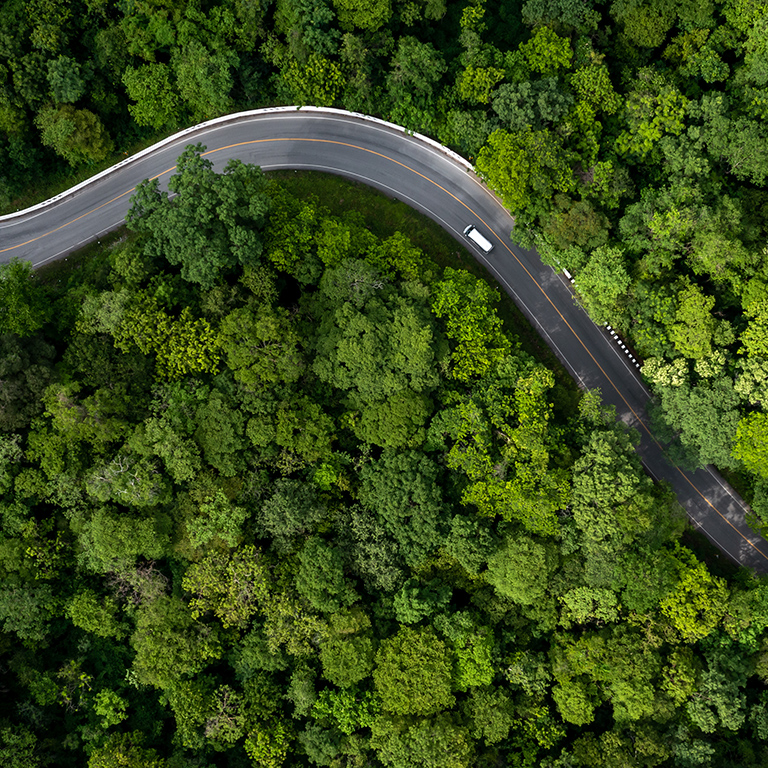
{"x":628,"y":138}
{"x":279,"y":490}
{"x":306,"y":493}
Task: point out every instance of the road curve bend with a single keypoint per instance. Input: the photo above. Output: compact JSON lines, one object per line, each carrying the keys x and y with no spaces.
{"x":438,"y":183}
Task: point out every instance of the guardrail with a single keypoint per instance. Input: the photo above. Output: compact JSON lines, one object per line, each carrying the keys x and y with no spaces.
{"x":232,"y":118}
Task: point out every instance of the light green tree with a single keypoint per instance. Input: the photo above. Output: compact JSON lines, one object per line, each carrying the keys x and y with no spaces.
{"x":413,"y":673}
{"x":150,"y":86}
{"x":526,"y":167}
{"x":78,"y":135}
{"x":546,"y":51}
{"x":699,"y":600}
{"x":602,"y":282}
{"x":465,"y":304}
{"x":169,"y":644}
{"x":694,"y":326}
{"x":233,"y":587}
{"x":520,"y":569}
{"x":368,"y":16}
{"x":751,"y":444}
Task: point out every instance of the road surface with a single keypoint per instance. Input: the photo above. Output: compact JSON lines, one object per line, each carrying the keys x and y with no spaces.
{"x":440,"y":185}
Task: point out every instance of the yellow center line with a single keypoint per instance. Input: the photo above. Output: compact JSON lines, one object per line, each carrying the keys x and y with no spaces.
{"x":618,"y":392}
{"x":501,"y":239}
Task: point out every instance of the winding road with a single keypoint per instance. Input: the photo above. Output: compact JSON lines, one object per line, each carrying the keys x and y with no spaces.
{"x":441,"y":185}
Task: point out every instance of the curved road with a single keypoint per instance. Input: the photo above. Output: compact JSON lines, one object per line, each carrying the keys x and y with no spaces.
{"x":439,"y":184}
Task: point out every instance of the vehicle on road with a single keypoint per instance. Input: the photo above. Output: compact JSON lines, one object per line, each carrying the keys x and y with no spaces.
{"x":478,"y":238}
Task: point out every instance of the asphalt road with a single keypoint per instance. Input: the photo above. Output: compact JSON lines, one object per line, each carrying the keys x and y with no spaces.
{"x":438,"y":184}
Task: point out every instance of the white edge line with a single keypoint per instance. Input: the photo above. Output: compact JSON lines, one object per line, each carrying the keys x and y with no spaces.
{"x":234,"y":117}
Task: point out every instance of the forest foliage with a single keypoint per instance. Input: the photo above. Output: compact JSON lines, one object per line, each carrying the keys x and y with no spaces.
{"x":291,"y":495}
{"x":284,"y":508}
{"x":628,"y":139}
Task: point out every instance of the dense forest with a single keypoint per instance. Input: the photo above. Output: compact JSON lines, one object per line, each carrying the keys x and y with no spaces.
{"x":290,"y":495}
{"x":628,"y":138}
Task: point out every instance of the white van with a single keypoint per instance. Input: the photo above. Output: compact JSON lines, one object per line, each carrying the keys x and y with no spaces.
{"x":478,"y":239}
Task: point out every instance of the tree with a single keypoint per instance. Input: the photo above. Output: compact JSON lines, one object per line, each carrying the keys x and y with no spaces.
{"x":374,"y":552}
{"x":514,"y":104}
{"x":475,"y":84}
{"x":368,"y":17}
{"x":320,"y":578}
{"x":546,"y":51}
{"x":614,"y":503}
{"x":705,"y":417}
{"x":471,"y":542}
{"x":347,"y":710}
{"x":318,"y":82}
{"x":491,"y":713}
{"x":233,"y":586}
{"x":520,"y":569}
{"x":413,"y":673}
{"x":109,"y":707}
{"x":26,"y":609}
{"x":64,"y":77}
{"x":694,"y":326}
{"x":293,"y":508}
{"x":402,"y":489}
{"x":741,"y":147}
{"x":25,"y":372}
{"x":179,"y":453}
{"x":347,"y":659}
{"x":267,"y":744}
{"x":698,"y":601}
{"x":169,"y":644}
{"x":76,"y":134}
{"x":212,"y":224}
{"x":51,"y":23}
{"x":220,"y":434}
{"x":303,"y":430}
{"x":130,"y":480}
{"x":261,"y":345}
{"x":151,"y":88}
{"x":653,"y":108}
{"x":98,"y":419}
{"x":472,"y":644}
{"x":465,"y":304}
{"x":99,"y":616}
{"x":24,"y":304}
{"x":112,"y":540}
{"x":435,"y":742}
{"x":751,"y":444}
{"x":216,"y":518}
{"x":526,"y":168}
{"x":645,"y":24}
{"x":602,"y":282}
{"x":571,"y":227}
{"x":416,"y":68}
{"x":575,"y":701}
{"x":415,"y":602}
{"x":124,"y":750}
{"x":755,"y":336}
{"x":592,"y":84}
{"x":18,"y":748}
{"x":204,"y":79}
{"x":571,"y":14}
{"x":181,"y":345}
